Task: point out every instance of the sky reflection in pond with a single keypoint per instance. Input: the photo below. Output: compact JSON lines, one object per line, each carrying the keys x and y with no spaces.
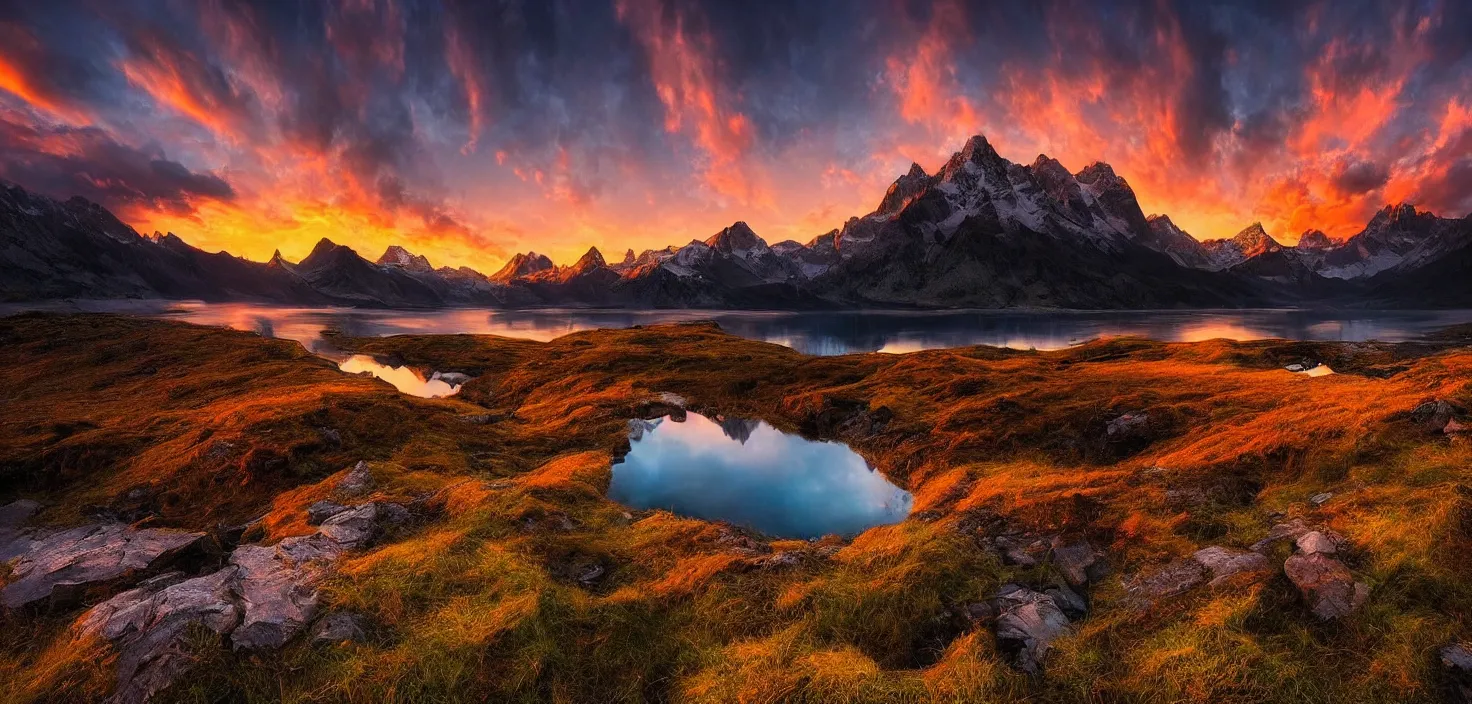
{"x":751,"y":474}
{"x":404,"y":379}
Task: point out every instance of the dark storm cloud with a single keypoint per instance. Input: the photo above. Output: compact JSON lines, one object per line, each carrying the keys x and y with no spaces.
{"x":1360,"y":176}
{"x":66,"y":161}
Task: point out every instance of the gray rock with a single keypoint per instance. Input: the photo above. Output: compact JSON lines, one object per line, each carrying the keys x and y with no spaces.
{"x":1069,"y":601}
{"x":338,"y":628}
{"x":1170,"y":580}
{"x":16,"y":513}
{"x":1074,"y":558}
{"x":63,"y":563}
{"x":358,"y":481}
{"x":330,"y":436}
{"x":1127,"y":424}
{"x":1326,"y":585}
{"x":262,"y":599}
{"x":354,"y":528}
{"x":1226,"y":564}
{"x":323,"y":510}
{"x":476,"y":418}
{"x":1456,"y":660}
{"x":1321,"y":499}
{"x":1295,"y":367}
{"x":147,"y":626}
{"x":278,"y":596}
{"x":1027,"y":624}
{"x":1282,"y":531}
{"x":1324,"y":541}
{"x":1434,"y":415}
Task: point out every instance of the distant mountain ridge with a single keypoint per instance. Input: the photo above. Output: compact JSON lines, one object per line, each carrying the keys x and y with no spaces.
{"x":981,"y":232}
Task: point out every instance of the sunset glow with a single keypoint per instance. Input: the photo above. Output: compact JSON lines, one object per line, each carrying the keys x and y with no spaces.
{"x":468,"y":131}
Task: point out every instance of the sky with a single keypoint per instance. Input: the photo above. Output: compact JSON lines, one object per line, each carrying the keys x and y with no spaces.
{"x":468,"y":131}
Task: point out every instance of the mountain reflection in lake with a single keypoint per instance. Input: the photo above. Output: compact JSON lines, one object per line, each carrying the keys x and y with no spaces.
{"x":404,"y":379}
{"x":824,"y":333}
{"x":751,"y":474}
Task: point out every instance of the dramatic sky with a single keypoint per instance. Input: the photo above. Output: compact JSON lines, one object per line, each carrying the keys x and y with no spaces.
{"x":468,"y":130}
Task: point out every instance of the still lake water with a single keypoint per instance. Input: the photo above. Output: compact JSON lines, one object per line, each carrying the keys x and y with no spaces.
{"x":824,"y":333}
{"x":751,"y":474}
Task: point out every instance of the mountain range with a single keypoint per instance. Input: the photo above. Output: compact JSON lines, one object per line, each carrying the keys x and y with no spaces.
{"x":981,"y":232}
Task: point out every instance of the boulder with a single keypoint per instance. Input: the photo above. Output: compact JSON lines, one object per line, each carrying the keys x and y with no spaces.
{"x":1074,"y":558}
{"x":1170,"y":580}
{"x":1126,"y":425}
{"x":338,"y":628}
{"x":323,"y":510}
{"x":1433,"y":415}
{"x":1282,"y":531}
{"x":1069,"y":601}
{"x":1226,"y":564}
{"x":1321,"y":499}
{"x":1027,"y":624}
{"x":1324,"y":541}
{"x":358,"y":480}
{"x":64,"y":563}
{"x":278,"y":596}
{"x":1326,"y":585}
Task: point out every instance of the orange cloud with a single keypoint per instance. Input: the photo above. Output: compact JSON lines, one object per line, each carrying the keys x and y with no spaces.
{"x":462,"y":63}
{"x":683,"y":70}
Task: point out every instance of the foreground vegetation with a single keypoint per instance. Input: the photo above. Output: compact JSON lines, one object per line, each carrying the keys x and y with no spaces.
{"x":179,"y":426}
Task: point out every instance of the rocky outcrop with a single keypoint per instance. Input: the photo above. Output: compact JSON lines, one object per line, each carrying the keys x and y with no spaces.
{"x":1076,"y":559}
{"x":147,"y":626}
{"x":1226,"y":564}
{"x":1027,"y":623}
{"x":262,"y":599}
{"x":1328,"y":587}
{"x":357,"y":481}
{"x":62,"y":564}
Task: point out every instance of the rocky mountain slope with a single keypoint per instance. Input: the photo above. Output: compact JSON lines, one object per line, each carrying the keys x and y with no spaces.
{"x":980,"y":232}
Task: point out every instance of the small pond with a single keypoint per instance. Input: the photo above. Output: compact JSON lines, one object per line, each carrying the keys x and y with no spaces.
{"x":751,"y":474}
{"x":404,"y":379}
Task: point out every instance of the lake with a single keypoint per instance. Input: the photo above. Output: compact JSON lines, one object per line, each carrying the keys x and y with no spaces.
{"x":748,"y":473}
{"x":821,"y":333}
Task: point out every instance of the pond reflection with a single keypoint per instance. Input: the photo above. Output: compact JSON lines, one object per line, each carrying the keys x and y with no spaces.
{"x":404,"y":379}
{"x":751,"y":474}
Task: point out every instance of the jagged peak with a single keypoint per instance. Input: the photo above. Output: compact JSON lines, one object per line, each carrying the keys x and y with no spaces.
{"x":1049,"y":163}
{"x":738,"y":236}
{"x":400,"y":257}
{"x":916,"y":171}
{"x":1100,"y":174}
{"x":977,"y":147}
{"x":593,"y":258}
{"x":522,"y":265}
{"x":824,"y":240}
{"x":1314,"y":239}
{"x":1254,"y":240}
